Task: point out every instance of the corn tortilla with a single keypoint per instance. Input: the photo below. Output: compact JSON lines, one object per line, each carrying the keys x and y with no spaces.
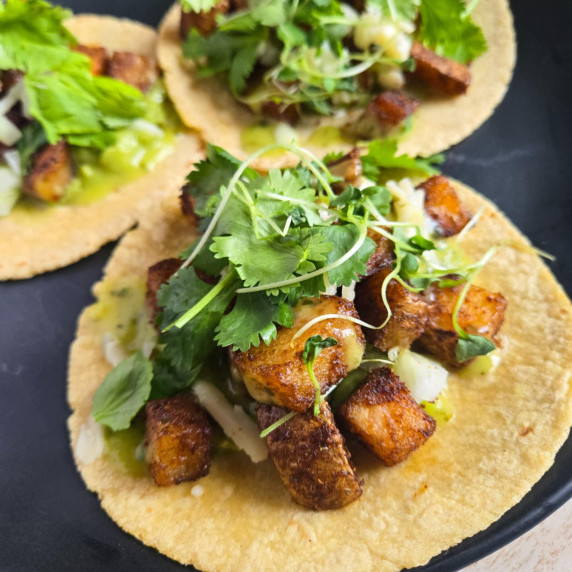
{"x":36,"y":241}
{"x":506,"y":429}
{"x":438,"y":123}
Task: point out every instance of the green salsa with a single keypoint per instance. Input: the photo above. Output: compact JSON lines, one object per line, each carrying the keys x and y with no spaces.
{"x":125,"y":449}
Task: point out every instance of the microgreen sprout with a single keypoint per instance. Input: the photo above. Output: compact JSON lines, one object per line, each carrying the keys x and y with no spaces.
{"x":312,"y":349}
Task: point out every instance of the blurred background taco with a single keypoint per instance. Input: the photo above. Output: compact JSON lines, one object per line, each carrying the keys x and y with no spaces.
{"x":245,"y":74}
{"x":86,"y":132}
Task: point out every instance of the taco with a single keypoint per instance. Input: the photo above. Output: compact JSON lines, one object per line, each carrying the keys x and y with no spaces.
{"x":457,"y":446}
{"x":86,"y":130}
{"x":245,"y":74}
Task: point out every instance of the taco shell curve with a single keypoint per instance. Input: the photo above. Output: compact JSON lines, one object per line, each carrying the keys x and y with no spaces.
{"x":506,"y":429}
{"x":209,"y":108}
{"x":32,"y":242}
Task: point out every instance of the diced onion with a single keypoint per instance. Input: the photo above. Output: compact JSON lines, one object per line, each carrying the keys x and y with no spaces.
{"x":114,"y":353}
{"x":12,"y":97}
{"x":12,"y":159}
{"x":234,"y":421}
{"x":9,"y":133}
{"x":424,"y":377}
{"x":147,"y":127}
{"x":9,"y":190}
{"x":90,"y":443}
{"x":349,"y":292}
{"x":285,"y":134}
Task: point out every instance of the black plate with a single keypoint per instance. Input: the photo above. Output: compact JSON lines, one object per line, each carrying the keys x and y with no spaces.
{"x":48,"y":521}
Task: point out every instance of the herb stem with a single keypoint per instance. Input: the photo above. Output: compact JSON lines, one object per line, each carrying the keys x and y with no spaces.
{"x":204,"y":301}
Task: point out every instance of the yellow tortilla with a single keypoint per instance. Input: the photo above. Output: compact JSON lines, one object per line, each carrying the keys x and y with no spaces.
{"x":36,"y":241}
{"x":506,"y":429}
{"x":207,"y":106}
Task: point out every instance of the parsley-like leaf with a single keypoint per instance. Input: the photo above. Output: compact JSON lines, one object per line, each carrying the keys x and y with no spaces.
{"x":446,"y":29}
{"x":253,"y":319}
{"x":123,"y":392}
{"x":312,"y":349}
{"x":471,"y":346}
{"x":198,"y":6}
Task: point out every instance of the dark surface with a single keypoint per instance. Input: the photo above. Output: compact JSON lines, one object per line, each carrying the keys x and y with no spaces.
{"x":48,"y":521}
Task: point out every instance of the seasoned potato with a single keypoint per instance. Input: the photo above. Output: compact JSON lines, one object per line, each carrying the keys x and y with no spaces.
{"x":382,"y":414}
{"x":276,"y":374}
{"x":97,"y":56}
{"x":349,"y":167}
{"x":284,"y":113}
{"x":482,"y":314}
{"x":134,"y":69}
{"x":177,"y":440}
{"x":311,"y":458}
{"x":408,"y":311}
{"x":203,"y":22}
{"x":383,"y":114}
{"x":50,"y":174}
{"x":443,"y":75}
{"x":157,"y":275}
{"x":383,"y":254}
{"x":443,"y":205}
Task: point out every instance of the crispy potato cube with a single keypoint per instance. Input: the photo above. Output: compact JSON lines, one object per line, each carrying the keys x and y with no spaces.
{"x":157,"y":275}
{"x":409,"y":311}
{"x":387,"y":111}
{"x":443,"y":75}
{"x":50,"y":174}
{"x":276,"y":373}
{"x":391,"y":108}
{"x":97,"y":56}
{"x":443,"y":205}
{"x":383,"y":254}
{"x":349,"y":167}
{"x":311,"y":457}
{"x":278,"y":112}
{"x":481,"y":314}
{"x":177,"y":440}
{"x":203,"y":22}
{"x":134,"y":69}
{"x":382,"y":414}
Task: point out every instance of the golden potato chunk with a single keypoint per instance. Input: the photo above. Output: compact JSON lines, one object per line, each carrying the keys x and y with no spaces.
{"x":157,"y":275}
{"x":134,"y":69}
{"x":276,"y":373}
{"x":383,"y":254}
{"x":177,"y":440}
{"x":481,"y":314}
{"x":97,"y":56}
{"x":311,"y":457}
{"x":50,"y":174}
{"x":443,"y":75}
{"x":382,"y":414}
{"x":386,"y":112}
{"x":408,"y":311}
{"x":443,"y":205}
{"x":203,"y":22}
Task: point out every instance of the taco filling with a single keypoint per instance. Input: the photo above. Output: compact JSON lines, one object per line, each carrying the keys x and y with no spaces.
{"x":76,"y":121}
{"x":322,"y":302}
{"x":368,"y":64}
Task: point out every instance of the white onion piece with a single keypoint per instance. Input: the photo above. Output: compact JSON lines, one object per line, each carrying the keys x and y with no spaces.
{"x":349,"y":292}
{"x":9,"y":190}
{"x":12,"y":159}
{"x":9,"y":133}
{"x":285,"y":134}
{"x":12,"y":97}
{"x":234,"y":421}
{"x":90,"y":443}
{"x":147,"y":127}
{"x":424,"y":377}
{"x":114,"y":353}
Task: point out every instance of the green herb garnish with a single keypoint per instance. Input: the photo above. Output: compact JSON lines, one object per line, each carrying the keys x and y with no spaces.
{"x":312,"y":349}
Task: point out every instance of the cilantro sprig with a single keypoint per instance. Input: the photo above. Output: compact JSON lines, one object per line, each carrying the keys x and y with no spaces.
{"x":312,"y":349}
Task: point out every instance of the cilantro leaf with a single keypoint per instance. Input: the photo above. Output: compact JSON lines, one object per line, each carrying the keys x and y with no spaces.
{"x":343,"y":238}
{"x":314,"y":346}
{"x":253,"y":319}
{"x":211,"y":174}
{"x":446,"y":29}
{"x":382,"y":155}
{"x":242,"y":66}
{"x":471,"y":346}
{"x":123,"y":392}
{"x":33,"y":137}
